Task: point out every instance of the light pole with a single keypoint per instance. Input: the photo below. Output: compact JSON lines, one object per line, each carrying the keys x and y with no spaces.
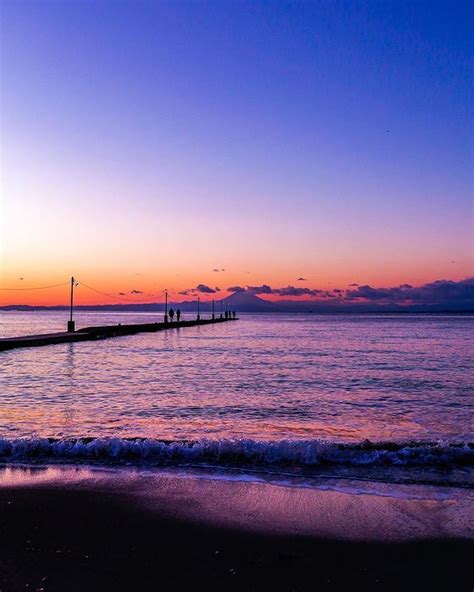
{"x":221,"y":309}
{"x":166,"y":306}
{"x":71,"y":325}
{"x":213,"y":315}
{"x":199,"y":316}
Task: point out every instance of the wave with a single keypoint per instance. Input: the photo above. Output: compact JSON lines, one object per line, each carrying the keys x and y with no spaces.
{"x":295,"y":453}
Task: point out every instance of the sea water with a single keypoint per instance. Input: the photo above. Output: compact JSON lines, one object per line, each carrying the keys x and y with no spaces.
{"x":379,"y":391}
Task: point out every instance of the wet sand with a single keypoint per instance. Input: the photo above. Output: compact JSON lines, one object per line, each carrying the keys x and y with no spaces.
{"x":80,"y":529}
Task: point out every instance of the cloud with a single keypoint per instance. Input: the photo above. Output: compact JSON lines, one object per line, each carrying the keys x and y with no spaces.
{"x":301,"y":279}
{"x":353,"y":285}
{"x":122,"y":294}
{"x":205,"y":289}
{"x":217,"y":289}
{"x":264,"y":289}
{"x":286,"y":291}
{"x":136,"y":292}
{"x":216,"y":270}
{"x":293,"y":291}
{"x":184,"y":292}
{"x":439,"y":292}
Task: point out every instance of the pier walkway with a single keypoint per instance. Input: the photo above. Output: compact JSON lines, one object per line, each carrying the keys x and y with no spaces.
{"x":105,"y":332}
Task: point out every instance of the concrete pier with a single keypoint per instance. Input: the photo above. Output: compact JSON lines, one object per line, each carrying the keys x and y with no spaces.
{"x":105,"y":332}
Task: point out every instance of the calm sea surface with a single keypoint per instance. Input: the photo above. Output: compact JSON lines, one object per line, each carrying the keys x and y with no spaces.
{"x":342,"y":378}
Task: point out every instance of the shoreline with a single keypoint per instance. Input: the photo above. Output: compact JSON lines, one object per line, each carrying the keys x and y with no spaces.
{"x":121,"y":529}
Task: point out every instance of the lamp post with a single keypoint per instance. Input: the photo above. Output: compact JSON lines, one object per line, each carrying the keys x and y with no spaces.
{"x":221,"y":310}
{"x":199,"y":316}
{"x":213,"y":314}
{"x":166,"y":306}
{"x":71,"y":325}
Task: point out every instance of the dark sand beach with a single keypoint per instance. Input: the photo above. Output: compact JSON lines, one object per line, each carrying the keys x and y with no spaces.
{"x":81,"y":529}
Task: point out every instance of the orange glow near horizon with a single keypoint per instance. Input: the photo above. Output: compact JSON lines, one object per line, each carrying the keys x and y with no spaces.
{"x":144,"y":288}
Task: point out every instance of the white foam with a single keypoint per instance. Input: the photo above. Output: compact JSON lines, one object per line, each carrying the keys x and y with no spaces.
{"x":241,"y":451}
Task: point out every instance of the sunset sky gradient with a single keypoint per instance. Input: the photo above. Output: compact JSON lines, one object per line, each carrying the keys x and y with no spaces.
{"x":146,"y":144}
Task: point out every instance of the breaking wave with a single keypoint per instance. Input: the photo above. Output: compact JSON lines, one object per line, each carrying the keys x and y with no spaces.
{"x":295,"y":453}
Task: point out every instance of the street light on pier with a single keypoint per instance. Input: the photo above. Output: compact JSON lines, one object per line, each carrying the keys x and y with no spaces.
{"x":166,"y":306}
{"x":71,"y":325}
{"x":198,"y":316}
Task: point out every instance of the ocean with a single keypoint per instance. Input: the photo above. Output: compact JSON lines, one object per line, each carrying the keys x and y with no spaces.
{"x":382,"y":396}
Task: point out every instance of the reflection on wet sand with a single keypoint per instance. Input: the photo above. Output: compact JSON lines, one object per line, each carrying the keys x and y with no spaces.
{"x":346,"y":511}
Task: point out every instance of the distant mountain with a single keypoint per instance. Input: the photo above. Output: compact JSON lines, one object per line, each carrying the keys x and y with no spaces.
{"x":246,"y":302}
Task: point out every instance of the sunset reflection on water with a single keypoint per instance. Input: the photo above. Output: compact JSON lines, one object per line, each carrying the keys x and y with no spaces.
{"x":336,"y":377}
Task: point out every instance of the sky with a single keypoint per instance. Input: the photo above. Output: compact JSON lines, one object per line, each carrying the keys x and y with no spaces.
{"x":153,"y":145}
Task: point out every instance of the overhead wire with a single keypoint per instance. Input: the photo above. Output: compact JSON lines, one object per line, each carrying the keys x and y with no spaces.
{"x":78,"y":282}
{"x":37,"y":287}
{"x":114,"y":296}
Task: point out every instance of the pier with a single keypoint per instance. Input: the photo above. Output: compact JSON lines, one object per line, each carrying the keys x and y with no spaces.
{"x":104,"y":332}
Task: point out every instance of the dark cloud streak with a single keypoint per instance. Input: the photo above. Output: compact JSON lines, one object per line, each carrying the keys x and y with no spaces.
{"x":440,"y":292}
{"x":448,"y":293}
{"x":203,"y":289}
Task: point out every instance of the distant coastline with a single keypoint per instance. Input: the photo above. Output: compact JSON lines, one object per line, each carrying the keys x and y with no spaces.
{"x":275,"y":307}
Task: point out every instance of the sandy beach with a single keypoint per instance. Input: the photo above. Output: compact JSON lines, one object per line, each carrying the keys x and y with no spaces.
{"x":92,"y":529}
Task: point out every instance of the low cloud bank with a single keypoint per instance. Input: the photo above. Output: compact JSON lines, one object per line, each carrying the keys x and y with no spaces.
{"x":206,"y":289}
{"x":447,"y":293}
{"x":438,"y":292}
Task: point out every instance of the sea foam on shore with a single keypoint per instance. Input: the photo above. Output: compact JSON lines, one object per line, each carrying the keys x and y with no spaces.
{"x":294,"y":452}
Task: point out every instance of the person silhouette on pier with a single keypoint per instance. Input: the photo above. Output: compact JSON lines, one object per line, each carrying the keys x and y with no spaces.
{"x":178,"y":315}
{"x":171,"y":313}
{"x":233,"y":314}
